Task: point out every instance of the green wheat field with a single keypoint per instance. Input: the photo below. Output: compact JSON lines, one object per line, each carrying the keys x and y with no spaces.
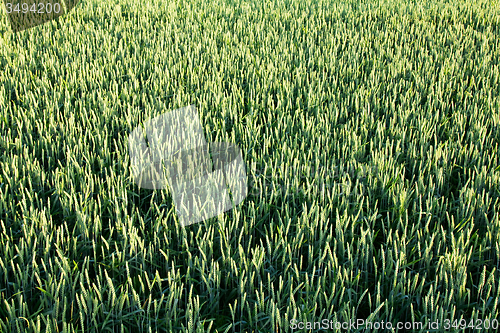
{"x":370,"y":134}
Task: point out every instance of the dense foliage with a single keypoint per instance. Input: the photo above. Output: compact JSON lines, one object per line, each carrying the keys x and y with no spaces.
{"x":370,"y":132}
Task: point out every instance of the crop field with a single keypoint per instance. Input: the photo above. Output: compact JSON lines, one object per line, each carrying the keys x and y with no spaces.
{"x":370,"y":134}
